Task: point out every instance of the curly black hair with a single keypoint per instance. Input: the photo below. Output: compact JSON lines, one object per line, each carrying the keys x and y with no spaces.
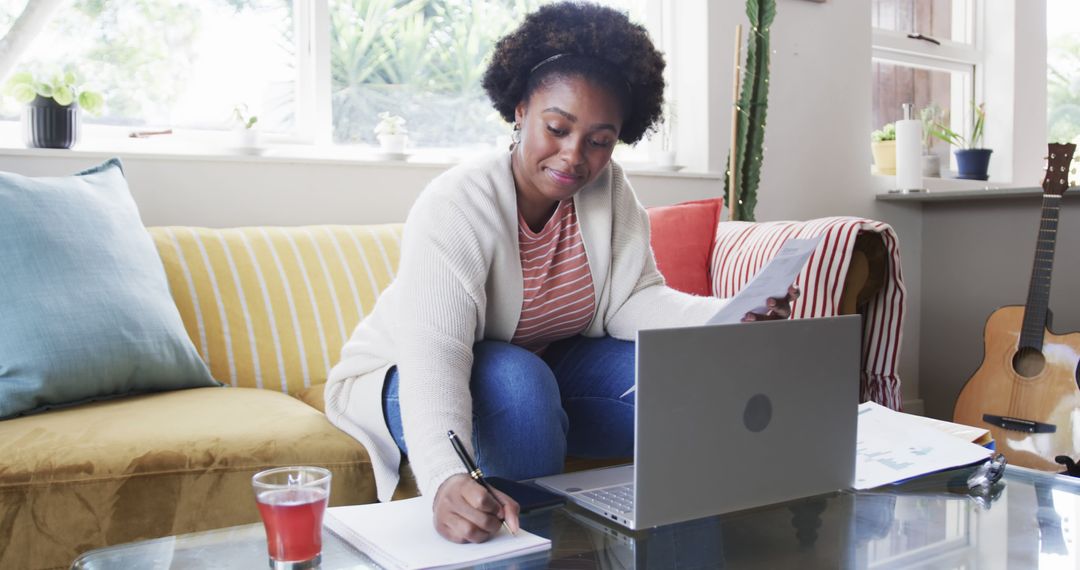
{"x":603,"y":46}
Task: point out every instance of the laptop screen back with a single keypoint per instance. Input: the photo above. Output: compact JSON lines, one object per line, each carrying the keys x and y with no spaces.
{"x":733,"y":417}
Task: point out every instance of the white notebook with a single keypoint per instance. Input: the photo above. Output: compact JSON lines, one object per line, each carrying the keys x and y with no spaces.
{"x":400,"y":534}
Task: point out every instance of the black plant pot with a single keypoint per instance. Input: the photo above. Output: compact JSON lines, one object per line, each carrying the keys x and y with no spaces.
{"x":48,"y":124}
{"x":973,"y":163}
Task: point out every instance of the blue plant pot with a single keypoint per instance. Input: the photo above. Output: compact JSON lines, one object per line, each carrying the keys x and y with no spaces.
{"x":973,"y":163}
{"x":48,"y":124}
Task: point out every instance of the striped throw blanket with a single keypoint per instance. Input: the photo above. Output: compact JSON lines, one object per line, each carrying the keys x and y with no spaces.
{"x":742,"y":248}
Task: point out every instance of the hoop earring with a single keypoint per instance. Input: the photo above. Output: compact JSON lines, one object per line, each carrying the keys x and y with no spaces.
{"x":515,"y":136}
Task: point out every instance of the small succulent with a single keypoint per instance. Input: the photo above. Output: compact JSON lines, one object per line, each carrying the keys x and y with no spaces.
{"x":885,"y":133}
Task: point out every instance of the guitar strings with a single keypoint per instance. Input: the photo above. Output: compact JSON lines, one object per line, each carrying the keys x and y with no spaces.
{"x":1039,"y":294}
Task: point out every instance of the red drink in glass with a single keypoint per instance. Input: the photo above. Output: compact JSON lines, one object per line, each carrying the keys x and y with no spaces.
{"x":293,"y":520}
{"x":292,"y":501}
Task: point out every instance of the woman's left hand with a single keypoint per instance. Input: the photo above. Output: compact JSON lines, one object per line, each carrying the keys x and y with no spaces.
{"x":779,"y":307}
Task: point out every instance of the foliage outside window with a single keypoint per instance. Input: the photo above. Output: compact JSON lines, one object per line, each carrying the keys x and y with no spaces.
{"x":176,"y":63}
{"x":188,"y":63}
{"x":420,"y":59}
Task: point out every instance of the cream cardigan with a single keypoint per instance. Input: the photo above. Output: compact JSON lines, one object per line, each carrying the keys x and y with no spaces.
{"x":460,"y":282}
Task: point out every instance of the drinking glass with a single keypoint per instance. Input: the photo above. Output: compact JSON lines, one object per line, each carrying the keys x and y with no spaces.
{"x":292,"y":501}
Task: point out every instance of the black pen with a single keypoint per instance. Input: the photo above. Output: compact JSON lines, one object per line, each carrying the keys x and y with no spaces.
{"x":475,"y":471}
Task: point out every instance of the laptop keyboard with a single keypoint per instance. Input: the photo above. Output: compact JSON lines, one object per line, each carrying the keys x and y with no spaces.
{"x":618,"y":499}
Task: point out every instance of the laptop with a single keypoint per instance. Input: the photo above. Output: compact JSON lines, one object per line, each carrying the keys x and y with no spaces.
{"x":732,"y":417}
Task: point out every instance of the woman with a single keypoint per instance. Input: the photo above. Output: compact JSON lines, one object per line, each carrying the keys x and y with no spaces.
{"x":524,"y":278}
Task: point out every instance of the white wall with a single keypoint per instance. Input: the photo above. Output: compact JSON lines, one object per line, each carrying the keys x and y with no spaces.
{"x":239,"y":191}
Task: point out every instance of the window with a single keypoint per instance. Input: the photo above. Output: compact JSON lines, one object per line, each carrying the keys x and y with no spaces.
{"x":925,"y":52}
{"x":180,"y":64}
{"x":311,"y":70}
{"x":422,"y":60}
{"x":1063,"y":70}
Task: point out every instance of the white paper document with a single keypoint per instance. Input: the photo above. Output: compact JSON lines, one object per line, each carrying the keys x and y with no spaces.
{"x":772,"y":280}
{"x":400,"y":534}
{"x":893,"y":446}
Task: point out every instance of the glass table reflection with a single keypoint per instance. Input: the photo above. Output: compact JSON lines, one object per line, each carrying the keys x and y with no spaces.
{"x":1030,"y":520}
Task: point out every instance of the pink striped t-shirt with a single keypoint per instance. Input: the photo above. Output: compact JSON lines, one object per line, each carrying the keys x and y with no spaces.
{"x":558,"y":300}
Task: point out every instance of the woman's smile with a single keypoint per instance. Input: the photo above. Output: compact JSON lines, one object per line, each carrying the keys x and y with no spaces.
{"x":563,"y":178}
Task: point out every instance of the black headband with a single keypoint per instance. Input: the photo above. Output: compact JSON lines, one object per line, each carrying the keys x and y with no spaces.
{"x":559,"y":56}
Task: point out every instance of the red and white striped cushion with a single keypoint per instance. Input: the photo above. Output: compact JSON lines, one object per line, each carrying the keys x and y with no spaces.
{"x":742,"y":248}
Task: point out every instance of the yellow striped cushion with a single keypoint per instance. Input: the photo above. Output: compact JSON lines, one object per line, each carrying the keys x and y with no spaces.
{"x":271,"y":307}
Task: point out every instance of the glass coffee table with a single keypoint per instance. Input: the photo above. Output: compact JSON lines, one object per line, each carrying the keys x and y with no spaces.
{"x":1032,"y":521}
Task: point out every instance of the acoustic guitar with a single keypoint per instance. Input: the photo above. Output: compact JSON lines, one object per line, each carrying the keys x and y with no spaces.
{"x":1026,"y":391}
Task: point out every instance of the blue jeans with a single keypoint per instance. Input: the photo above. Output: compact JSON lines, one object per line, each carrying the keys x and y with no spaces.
{"x":530,"y":411}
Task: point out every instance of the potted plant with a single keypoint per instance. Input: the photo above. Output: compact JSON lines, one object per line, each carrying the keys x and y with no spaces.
{"x":930,"y":116}
{"x":391,"y":133}
{"x":972,"y":161}
{"x":244,"y":128}
{"x":51,"y":118}
{"x":883,"y":146}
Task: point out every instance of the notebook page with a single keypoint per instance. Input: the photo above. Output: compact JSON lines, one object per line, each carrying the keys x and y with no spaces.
{"x":400,"y":534}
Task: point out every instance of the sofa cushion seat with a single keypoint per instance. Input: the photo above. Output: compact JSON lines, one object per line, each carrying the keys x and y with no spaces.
{"x":155,"y":465}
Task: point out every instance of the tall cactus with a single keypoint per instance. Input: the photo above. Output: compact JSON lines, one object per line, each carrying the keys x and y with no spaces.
{"x":753,"y":102}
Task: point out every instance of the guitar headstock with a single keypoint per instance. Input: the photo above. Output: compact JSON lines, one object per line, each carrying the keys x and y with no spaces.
{"x":1057,"y":168}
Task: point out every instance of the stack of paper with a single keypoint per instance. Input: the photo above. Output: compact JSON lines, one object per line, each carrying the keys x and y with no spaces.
{"x":892,"y":446}
{"x":400,"y":534}
{"x":980,"y":436}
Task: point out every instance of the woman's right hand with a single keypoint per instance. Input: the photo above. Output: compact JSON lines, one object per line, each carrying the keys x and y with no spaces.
{"x":465,"y":512}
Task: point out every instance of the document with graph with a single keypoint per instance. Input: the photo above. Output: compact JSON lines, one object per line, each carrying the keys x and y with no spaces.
{"x":893,"y":446}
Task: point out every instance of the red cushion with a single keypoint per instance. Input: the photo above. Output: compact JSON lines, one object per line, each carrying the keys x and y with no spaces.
{"x":682,"y":240}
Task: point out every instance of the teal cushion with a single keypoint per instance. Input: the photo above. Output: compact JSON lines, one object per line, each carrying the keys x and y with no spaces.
{"x":85,"y":310}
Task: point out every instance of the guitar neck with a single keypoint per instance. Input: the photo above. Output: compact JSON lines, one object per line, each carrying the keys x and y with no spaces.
{"x":1038,"y":299}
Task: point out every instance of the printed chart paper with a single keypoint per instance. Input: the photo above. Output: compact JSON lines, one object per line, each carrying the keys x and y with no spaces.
{"x":892,"y":447}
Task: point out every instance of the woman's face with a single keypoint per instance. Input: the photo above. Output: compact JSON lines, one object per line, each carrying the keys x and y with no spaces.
{"x":569,"y":128}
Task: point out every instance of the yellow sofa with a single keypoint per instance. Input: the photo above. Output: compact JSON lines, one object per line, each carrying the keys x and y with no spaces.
{"x":268,"y":309}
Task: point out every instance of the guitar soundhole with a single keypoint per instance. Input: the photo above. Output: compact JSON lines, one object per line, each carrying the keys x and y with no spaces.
{"x":1028,"y":362}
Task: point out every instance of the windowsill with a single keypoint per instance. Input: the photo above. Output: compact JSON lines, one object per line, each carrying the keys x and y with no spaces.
{"x":884,"y":187}
{"x":214,"y":148}
{"x":991,"y":193}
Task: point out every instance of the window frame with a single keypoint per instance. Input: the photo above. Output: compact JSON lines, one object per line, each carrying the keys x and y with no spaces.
{"x":966,"y":54}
